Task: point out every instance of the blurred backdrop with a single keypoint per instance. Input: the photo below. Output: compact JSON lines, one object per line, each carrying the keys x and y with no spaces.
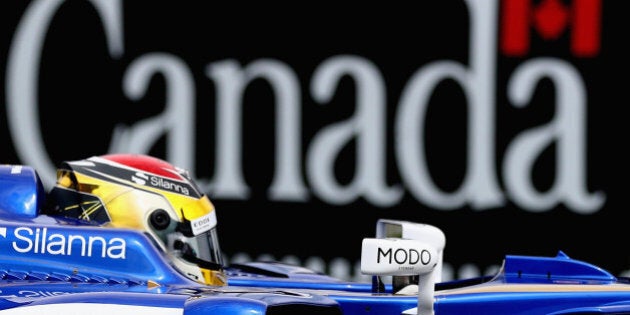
{"x":500,"y":121}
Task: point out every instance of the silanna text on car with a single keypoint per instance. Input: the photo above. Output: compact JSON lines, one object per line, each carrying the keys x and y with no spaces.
{"x":40,"y":241}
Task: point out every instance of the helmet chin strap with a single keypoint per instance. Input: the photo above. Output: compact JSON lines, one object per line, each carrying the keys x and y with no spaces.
{"x":184,"y":227}
{"x":190,"y":271}
{"x":202,"y":263}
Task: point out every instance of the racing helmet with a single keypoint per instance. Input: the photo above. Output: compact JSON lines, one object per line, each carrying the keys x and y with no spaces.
{"x":148,"y":194}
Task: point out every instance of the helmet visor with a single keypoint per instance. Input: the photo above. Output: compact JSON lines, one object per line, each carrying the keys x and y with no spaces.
{"x":201,"y":247}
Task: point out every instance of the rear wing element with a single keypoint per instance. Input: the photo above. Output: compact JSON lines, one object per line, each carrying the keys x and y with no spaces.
{"x":409,"y":251}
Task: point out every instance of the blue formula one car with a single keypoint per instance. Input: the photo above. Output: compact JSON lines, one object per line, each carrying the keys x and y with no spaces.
{"x":131,"y":234}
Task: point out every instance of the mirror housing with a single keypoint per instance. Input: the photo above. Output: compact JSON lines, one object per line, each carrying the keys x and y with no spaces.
{"x":407,"y":251}
{"x":397,"y":257}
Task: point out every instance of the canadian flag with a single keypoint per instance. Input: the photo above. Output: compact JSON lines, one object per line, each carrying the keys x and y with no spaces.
{"x":550,"y":18}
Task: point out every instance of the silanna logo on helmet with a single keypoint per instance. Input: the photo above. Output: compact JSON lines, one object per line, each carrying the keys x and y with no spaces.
{"x":203,"y":223}
{"x":159,"y":182}
{"x":29,"y":240}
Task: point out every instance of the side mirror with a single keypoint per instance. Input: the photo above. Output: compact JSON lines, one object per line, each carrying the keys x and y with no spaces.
{"x":410,"y":252}
{"x":400,"y":257}
{"x":397,"y":257}
{"x":427,"y":233}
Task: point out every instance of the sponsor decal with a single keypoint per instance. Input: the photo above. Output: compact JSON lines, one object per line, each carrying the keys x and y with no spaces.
{"x":203,"y":223}
{"x":159,"y":182}
{"x":33,"y":294}
{"x":30,"y":240}
{"x":139,"y":178}
{"x":404,"y":256}
{"x":163,"y":183}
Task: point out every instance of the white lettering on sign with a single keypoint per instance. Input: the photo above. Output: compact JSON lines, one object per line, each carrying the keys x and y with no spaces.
{"x":479,"y":189}
{"x":204,"y":223}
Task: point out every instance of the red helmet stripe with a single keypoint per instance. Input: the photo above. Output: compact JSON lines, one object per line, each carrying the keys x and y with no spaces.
{"x":147,"y":164}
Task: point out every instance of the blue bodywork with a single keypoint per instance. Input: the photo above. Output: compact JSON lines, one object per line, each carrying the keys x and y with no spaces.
{"x":51,"y":263}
